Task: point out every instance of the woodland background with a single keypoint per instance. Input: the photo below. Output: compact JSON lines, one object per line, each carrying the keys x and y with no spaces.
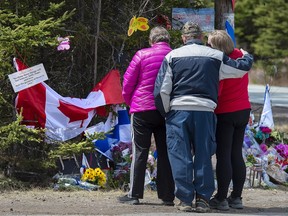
{"x":99,"y":42}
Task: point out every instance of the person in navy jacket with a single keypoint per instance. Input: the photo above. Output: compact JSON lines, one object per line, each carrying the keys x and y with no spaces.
{"x":186,"y":92}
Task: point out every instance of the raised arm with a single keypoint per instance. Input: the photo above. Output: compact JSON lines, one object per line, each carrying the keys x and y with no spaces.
{"x":231,"y":68}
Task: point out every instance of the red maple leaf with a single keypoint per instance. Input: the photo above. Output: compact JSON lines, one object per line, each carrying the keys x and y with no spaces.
{"x":72,"y":112}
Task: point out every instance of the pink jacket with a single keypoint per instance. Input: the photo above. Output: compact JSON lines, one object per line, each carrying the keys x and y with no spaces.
{"x":140,"y":76}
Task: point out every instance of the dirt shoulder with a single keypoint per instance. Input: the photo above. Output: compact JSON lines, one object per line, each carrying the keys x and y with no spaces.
{"x":49,"y":202}
{"x":257,"y":201}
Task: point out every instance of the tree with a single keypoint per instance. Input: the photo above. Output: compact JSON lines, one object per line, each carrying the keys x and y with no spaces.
{"x":221,"y":8}
{"x":268,"y":26}
{"x":24,"y":35}
{"x":272,"y":24}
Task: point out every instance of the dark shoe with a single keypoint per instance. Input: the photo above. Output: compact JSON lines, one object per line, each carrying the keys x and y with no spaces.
{"x":128,"y":200}
{"x":235,"y":203}
{"x":186,"y":207}
{"x":202,"y":206}
{"x":220,"y":205}
{"x":167,"y":203}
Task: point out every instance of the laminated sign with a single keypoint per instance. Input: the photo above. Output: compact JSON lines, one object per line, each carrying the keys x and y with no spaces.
{"x":28,"y":77}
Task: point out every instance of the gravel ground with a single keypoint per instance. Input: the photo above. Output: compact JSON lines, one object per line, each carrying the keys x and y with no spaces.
{"x":48,"y":202}
{"x":257,"y":201}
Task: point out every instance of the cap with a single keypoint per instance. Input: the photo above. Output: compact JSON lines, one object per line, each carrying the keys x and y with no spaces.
{"x":191,"y":28}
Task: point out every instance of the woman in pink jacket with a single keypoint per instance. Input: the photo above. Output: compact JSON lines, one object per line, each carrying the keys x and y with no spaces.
{"x":138,"y":87}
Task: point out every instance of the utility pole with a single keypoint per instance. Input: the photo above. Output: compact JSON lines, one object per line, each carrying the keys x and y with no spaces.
{"x":223,"y":11}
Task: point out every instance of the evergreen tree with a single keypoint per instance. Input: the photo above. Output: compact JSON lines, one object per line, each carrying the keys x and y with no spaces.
{"x":272,"y":25}
{"x":24,"y":35}
{"x":261,"y":27}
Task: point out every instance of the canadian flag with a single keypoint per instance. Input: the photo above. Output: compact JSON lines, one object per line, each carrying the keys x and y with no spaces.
{"x":64,"y":117}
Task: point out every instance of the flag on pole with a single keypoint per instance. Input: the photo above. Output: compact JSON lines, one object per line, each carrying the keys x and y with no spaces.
{"x":64,"y":117}
{"x":266,"y":119}
{"x":84,"y":165}
{"x":230,"y":31}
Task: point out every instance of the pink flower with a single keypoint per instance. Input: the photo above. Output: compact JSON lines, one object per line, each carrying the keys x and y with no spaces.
{"x":266,"y":130}
{"x":263,"y":147}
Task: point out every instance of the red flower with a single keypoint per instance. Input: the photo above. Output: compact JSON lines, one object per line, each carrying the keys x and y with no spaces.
{"x":266,"y":130}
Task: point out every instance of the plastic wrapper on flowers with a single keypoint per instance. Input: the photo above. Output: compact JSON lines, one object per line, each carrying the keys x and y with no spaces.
{"x":121,"y":152}
{"x":122,"y":157}
{"x":151,"y":171}
{"x":264,"y":147}
{"x":71,"y":183}
{"x":120,"y":176}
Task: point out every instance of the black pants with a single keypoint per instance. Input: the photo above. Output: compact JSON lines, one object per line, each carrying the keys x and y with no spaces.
{"x":230,"y":163}
{"x":144,"y":124}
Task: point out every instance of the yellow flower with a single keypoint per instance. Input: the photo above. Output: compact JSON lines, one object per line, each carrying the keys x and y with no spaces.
{"x":95,"y":176}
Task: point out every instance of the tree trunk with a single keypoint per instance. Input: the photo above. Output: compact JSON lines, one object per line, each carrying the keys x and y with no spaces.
{"x":98,"y":7}
{"x":222,"y":8}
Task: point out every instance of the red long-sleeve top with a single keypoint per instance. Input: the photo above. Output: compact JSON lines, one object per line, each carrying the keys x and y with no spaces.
{"x":233,"y":93}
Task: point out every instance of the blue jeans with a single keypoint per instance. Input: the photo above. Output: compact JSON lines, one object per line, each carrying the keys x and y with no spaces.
{"x":191,"y":143}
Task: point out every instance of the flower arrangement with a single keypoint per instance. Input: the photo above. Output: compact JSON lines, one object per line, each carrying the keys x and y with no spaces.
{"x":152,"y":165}
{"x":94,"y":176}
{"x":266,"y":147}
{"x":151,"y":170}
{"x":121,"y":154}
{"x":271,"y":145}
{"x":263,"y":133}
{"x":122,"y":157}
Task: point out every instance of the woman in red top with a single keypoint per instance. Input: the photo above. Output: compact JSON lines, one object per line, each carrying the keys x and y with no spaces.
{"x":233,"y":111}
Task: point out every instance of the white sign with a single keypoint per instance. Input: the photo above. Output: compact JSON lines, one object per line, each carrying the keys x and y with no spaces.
{"x":28,"y":77}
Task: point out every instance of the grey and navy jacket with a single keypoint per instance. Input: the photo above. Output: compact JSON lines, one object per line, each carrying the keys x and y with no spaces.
{"x":189,"y":76}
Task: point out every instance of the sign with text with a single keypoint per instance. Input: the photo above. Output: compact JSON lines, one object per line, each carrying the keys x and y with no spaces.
{"x":204,"y":17}
{"x":28,"y":77}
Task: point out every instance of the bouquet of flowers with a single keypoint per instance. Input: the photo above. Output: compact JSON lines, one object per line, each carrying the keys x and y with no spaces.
{"x":121,"y":154}
{"x":94,"y":176}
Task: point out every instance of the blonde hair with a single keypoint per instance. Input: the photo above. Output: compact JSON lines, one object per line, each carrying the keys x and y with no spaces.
{"x":219,"y":39}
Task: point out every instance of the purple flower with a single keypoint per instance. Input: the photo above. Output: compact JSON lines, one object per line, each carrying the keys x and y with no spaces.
{"x":263,"y":147}
{"x":282,"y":149}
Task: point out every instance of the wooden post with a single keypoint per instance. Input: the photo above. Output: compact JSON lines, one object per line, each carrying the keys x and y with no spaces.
{"x":222,"y":8}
